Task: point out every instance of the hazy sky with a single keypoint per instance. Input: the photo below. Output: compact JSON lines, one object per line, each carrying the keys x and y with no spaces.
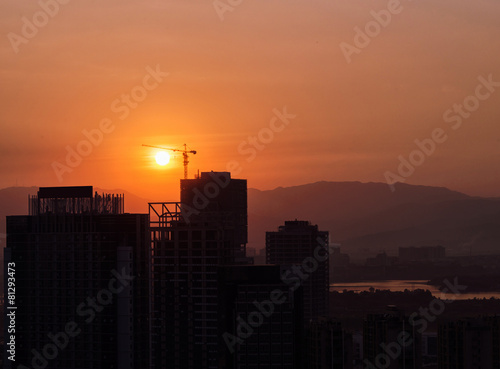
{"x":214,"y":75}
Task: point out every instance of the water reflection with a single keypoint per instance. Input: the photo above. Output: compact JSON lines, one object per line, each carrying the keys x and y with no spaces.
{"x":401,"y":285}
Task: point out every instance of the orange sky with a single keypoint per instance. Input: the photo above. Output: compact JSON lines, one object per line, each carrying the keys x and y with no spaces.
{"x":225,"y":78}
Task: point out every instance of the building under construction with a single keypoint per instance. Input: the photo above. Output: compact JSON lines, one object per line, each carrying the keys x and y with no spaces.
{"x":79,"y":259}
{"x":190,"y":240}
{"x":74,"y":200}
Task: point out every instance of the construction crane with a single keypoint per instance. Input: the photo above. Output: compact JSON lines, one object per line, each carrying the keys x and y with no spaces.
{"x":185,"y":153}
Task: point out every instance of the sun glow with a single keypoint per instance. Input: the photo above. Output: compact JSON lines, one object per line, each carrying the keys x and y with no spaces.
{"x":162,"y":158}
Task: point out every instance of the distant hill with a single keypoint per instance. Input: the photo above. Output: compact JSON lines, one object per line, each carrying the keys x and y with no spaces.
{"x":367,"y":218}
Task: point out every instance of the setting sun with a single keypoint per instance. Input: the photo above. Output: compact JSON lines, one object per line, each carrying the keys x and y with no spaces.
{"x":162,"y":158}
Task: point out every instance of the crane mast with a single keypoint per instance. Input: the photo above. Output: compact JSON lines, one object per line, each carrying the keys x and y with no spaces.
{"x":186,"y":161}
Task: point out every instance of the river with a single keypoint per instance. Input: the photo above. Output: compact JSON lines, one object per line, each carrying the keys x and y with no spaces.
{"x":401,"y":285}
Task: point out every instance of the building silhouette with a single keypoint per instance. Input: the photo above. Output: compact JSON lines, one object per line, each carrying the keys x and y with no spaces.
{"x":469,"y":343}
{"x":304,"y":247}
{"x":81,"y":282}
{"x":391,"y":341}
{"x":328,"y":346}
{"x":189,"y":241}
{"x":261,"y":319}
{"x":99,"y":288}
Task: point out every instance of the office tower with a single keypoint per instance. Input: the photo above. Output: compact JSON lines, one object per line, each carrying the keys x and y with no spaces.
{"x":302,"y":245}
{"x":261,"y":319}
{"x":218,"y":197}
{"x":328,"y":346}
{"x":190,"y":239}
{"x":469,"y":343}
{"x":391,"y":341}
{"x":81,"y":282}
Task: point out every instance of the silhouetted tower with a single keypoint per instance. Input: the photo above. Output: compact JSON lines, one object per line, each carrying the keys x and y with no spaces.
{"x":190,"y":240}
{"x":390,"y":340}
{"x":328,"y":345}
{"x":469,"y":343}
{"x":82,"y":282}
{"x":303,"y":246}
{"x":255,"y":298}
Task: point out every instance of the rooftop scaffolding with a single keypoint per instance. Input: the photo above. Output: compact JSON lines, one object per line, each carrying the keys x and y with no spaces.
{"x":74,"y":200}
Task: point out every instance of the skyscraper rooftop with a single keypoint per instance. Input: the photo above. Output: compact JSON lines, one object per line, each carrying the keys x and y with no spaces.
{"x":74,"y":200}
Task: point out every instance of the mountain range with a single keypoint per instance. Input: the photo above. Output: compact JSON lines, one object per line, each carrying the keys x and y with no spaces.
{"x":365,"y":218}
{"x":368,"y":218}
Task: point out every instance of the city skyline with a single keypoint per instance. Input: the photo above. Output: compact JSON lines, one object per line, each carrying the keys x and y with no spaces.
{"x":356,"y":84}
{"x":200,"y":300}
{"x":250,"y":184}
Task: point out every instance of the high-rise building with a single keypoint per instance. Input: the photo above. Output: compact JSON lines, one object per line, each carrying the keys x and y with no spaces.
{"x":190,"y":240}
{"x":302,"y":245}
{"x":261,"y":319}
{"x":391,"y":341}
{"x":81,"y":272}
{"x":469,"y":343}
{"x":328,"y":346}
